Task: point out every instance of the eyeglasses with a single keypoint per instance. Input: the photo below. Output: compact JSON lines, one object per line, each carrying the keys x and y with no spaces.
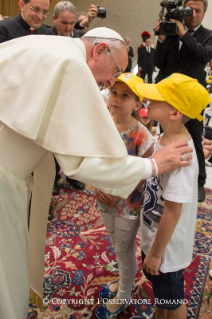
{"x":38,"y":10}
{"x":116,"y":75}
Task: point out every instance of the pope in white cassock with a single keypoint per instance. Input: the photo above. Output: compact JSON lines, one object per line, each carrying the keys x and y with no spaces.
{"x":50,"y":103}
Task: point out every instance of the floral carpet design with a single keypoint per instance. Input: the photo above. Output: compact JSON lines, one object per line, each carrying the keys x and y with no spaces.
{"x":80,"y":261}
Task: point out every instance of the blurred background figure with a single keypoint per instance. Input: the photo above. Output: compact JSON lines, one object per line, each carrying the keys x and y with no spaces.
{"x":84,"y":19}
{"x":1,"y":18}
{"x":146,"y":61}
{"x":144,"y":35}
{"x":80,"y":16}
{"x":145,"y":120}
{"x":130,"y":54}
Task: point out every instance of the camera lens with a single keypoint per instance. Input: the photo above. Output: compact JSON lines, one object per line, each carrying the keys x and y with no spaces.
{"x":170,"y":27}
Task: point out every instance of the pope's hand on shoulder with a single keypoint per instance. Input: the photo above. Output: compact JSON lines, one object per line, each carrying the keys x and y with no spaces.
{"x":169,"y":158}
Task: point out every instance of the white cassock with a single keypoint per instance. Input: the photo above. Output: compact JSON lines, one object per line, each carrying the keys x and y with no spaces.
{"x":49,"y":103}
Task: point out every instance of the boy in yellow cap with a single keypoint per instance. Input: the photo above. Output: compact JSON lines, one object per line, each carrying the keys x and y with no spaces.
{"x":169,"y":203}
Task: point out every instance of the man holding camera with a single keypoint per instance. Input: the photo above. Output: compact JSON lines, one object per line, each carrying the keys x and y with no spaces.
{"x":188,"y":52}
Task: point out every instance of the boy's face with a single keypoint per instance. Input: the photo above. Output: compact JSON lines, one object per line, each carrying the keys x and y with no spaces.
{"x":122,"y":100}
{"x":159,"y":110}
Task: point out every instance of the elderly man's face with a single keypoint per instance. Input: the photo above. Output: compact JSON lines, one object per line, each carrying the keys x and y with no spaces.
{"x":65,"y":23}
{"x":196,"y":18}
{"x":104,"y":67}
{"x":29,"y":11}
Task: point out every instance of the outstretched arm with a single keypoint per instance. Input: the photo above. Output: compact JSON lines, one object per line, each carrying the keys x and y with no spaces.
{"x":120,"y":176}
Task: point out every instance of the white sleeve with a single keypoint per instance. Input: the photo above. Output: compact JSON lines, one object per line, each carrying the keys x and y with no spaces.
{"x":117,"y":176}
{"x":178,"y":185}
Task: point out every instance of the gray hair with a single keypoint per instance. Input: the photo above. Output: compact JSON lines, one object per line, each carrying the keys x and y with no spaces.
{"x":127,"y":38}
{"x":113,"y":44}
{"x":62,"y":6}
{"x":81,"y":13}
{"x":205,"y":2}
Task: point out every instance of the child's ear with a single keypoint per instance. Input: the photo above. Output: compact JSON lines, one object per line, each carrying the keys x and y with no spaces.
{"x":175,"y":115}
{"x":138,"y":106}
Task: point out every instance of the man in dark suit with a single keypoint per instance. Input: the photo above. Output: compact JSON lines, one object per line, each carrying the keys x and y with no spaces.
{"x":65,"y":16}
{"x":188,"y":53}
{"x":146,"y":61}
{"x":29,"y":21}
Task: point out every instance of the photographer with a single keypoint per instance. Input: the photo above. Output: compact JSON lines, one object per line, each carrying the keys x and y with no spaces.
{"x":188,"y":52}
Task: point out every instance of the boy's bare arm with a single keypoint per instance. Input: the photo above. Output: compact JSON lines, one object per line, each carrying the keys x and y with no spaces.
{"x":165,"y":230}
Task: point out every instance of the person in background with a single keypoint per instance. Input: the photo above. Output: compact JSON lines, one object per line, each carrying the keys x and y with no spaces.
{"x":29,"y":21}
{"x":1,"y":18}
{"x":144,"y":119}
{"x":83,"y":15}
{"x":130,"y":54}
{"x":121,"y":216}
{"x":84,"y":19}
{"x":146,"y":61}
{"x":65,"y":16}
{"x":144,"y":35}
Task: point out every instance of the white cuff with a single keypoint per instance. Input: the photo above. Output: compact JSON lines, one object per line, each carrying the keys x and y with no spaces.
{"x":148,"y":168}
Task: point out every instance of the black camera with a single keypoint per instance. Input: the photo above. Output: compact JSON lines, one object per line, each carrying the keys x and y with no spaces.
{"x":174,"y":10}
{"x":101,"y":12}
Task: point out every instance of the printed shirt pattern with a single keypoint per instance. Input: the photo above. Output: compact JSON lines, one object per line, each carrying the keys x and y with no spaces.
{"x":137,"y":141}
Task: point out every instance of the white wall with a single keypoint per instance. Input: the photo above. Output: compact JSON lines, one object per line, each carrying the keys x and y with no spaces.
{"x":207,"y":22}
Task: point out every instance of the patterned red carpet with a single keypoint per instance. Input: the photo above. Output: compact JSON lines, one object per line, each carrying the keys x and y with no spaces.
{"x":80,"y":260}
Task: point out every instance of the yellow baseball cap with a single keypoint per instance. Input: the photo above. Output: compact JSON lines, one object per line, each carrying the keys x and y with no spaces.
{"x":185,"y":94}
{"x":209,"y":80}
{"x":131,"y":80}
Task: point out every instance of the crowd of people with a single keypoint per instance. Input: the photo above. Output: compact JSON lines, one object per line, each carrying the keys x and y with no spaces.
{"x":142,"y":179}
